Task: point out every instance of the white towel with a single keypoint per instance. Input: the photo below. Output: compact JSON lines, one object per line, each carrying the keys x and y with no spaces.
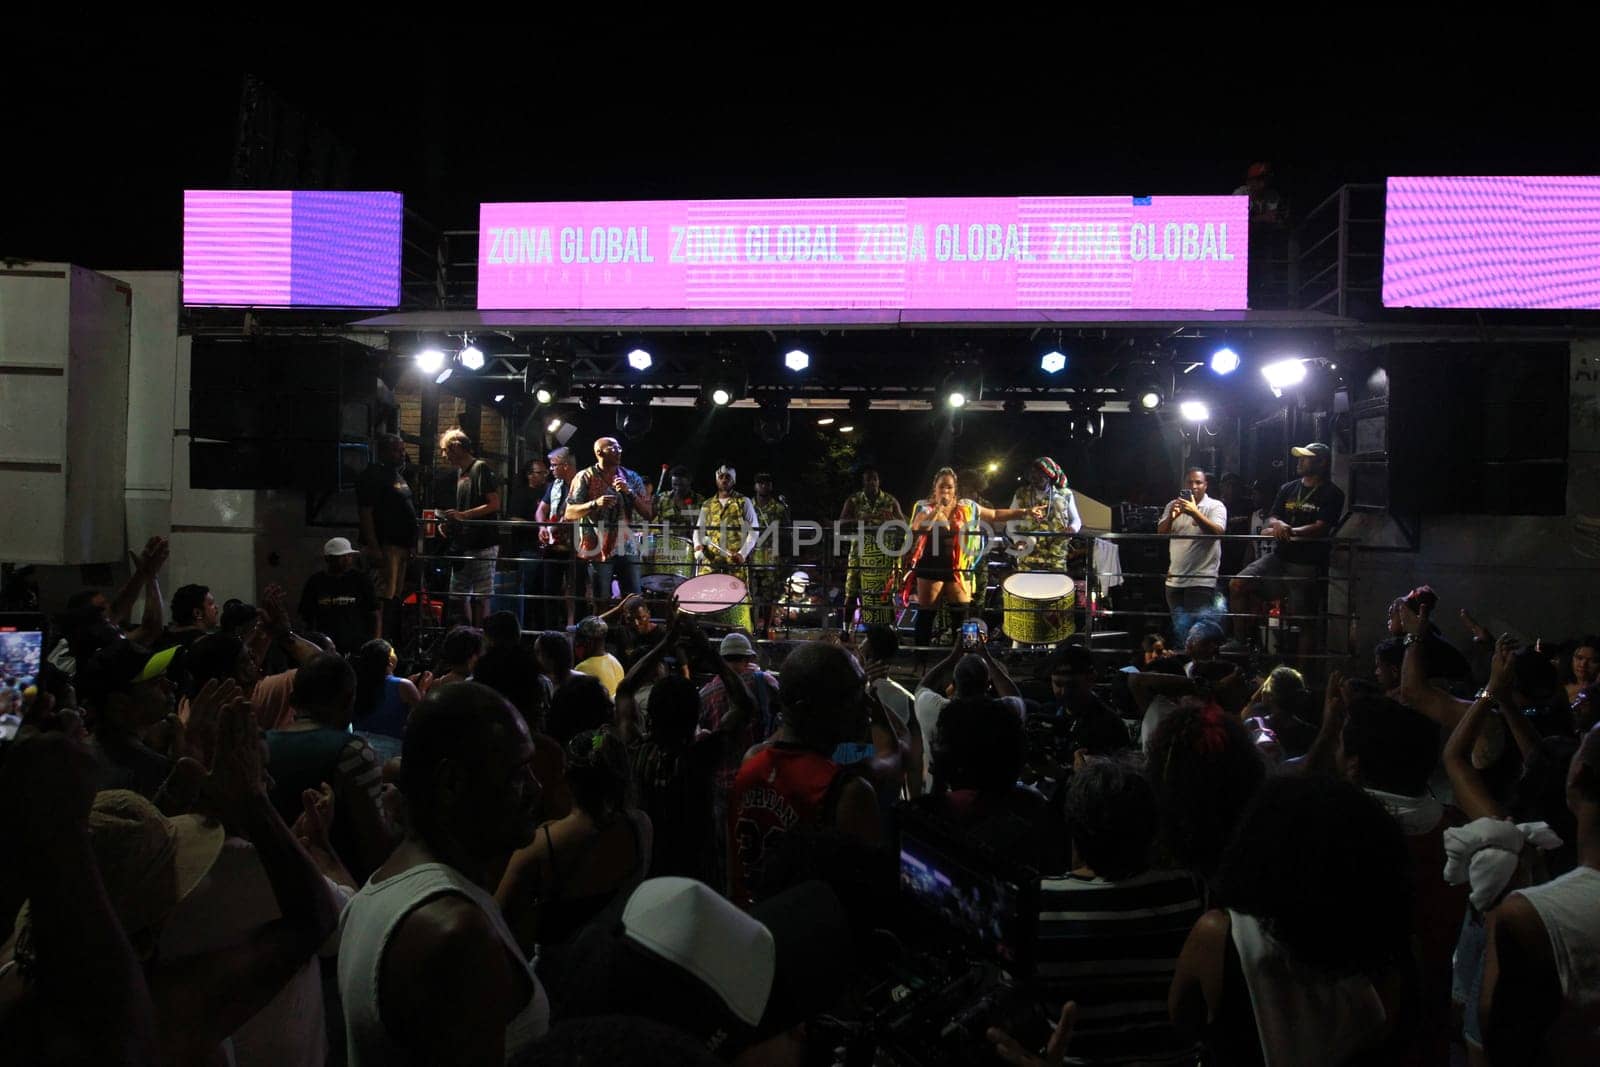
{"x":1107,"y":564}
{"x":1485,"y":852}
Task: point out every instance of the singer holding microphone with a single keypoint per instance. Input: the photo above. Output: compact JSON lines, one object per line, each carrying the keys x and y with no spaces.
{"x":611,"y":505}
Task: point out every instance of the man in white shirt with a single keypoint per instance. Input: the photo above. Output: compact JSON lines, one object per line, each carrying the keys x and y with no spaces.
{"x":1193,"y":566}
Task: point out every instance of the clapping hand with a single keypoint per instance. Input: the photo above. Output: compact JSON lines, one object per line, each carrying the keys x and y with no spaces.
{"x":148,"y":563}
{"x":1503,"y":669}
{"x":314,"y":825}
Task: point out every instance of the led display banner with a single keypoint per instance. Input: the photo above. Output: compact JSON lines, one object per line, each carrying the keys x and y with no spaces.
{"x":1162,"y":252}
{"x":256,"y":248}
{"x":1492,"y":243}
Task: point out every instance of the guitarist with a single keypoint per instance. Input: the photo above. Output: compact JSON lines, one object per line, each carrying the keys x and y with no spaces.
{"x":727,"y":528}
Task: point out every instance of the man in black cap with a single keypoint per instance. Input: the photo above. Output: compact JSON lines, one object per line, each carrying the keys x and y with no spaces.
{"x":1302,"y":518}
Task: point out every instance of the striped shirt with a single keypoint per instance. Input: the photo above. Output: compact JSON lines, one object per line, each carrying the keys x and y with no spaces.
{"x":1113,"y":948}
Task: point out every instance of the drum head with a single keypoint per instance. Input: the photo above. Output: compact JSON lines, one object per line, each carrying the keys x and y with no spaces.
{"x":710,"y":593}
{"x":1034,"y":586}
{"x":661,"y":585}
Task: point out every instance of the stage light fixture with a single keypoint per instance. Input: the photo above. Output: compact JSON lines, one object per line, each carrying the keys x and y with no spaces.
{"x":472,"y":357}
{"x":634,"y":418}
{"x":1284,"y":374}
{"x":826,"y":420}
{"x":797,"y":359}
{"x":723,"y":384}
{"x":961,"y":387}
{"x":847,"y":429}
{"x":1224,"y":361}
{"x":444,"y":376}
{"x":639,"y":359}
{"x":499,"y":398}
{"x":430,"y":360}
{"x":1194,"y":411}
{"x":992,"y":467}
{"x":1147,"y":391}
{"x":1086,"y":421}
{"x":1053,"y":362}
{"x":547,"y":380}
{"x":772,"y":421}
{"x":554,"y":424}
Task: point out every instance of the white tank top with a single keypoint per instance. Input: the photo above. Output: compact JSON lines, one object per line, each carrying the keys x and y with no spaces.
{"x":370,"y":920}
{"x":1305,"y":1019}
{"x":1569,"y":907}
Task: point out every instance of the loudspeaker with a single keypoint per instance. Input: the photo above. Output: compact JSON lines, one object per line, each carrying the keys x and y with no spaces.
{"x":318,"y":466}
{"x":306,"y":389}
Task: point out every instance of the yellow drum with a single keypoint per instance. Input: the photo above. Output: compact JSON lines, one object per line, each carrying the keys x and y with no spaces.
{"x":1038,"y":607}
{"x":717,"y":600}
{"x":669,"y":555}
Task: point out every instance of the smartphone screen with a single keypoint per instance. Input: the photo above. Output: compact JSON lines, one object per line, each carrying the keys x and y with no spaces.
{"x":21,"y":653}
{"x":969,"y":633}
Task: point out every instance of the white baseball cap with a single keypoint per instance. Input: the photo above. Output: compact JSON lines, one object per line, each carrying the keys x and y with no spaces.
{"x":339,"y":546}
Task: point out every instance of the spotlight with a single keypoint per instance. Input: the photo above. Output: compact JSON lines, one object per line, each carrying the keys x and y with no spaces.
{"x":444,"y":376}
{"x":547,"y":381}
{"x":1194,"y":411}
{"x":847,"y":429}
{"x":1224,"y":361}
{"x":826,"y":420}
{"x":723,"y":382}
{"x":553,"y":425}
{"x":1283,"y":374}
{"x":472,"y":357}
{"x":1053,"y":362}
{"x":993,"y":467}
{"x":797,"y":359}
{"x":499,"y":398}
{"x":430,"y":360}
{"x":639,"y":359}
{"x":961,"y":387}
{"x":1148,"y":391}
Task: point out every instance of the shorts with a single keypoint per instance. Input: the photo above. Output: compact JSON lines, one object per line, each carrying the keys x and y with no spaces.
{"x":477,"y":575}
{"x":1292,"y":582}
{"x":934,"y":570}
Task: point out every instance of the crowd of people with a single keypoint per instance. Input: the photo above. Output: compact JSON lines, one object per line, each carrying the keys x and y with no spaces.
{"x":229,"y":837}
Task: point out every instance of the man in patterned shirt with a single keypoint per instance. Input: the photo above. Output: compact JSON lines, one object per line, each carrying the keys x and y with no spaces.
{"x":611,"y":504}
{"x":727,"y":529}
{"x":871,"y":565}
{"x":771,"y":512}
{"x":1047,"y":484}
{"x":677,"y":512}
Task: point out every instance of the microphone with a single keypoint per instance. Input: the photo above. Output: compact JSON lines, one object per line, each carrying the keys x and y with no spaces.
{"x":661,"y":481}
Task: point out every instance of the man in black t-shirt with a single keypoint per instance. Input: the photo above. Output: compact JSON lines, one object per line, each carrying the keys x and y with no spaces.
{"x":388,"y":517}
{"x":1302,"y":518}
{"x":340,"y":601}
{"x":477,"y":500}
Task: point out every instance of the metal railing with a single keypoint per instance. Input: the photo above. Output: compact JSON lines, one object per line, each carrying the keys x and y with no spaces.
{"x":780,"y":606}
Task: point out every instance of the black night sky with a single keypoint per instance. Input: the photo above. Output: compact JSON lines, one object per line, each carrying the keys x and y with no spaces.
{"x":98,"y":158}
